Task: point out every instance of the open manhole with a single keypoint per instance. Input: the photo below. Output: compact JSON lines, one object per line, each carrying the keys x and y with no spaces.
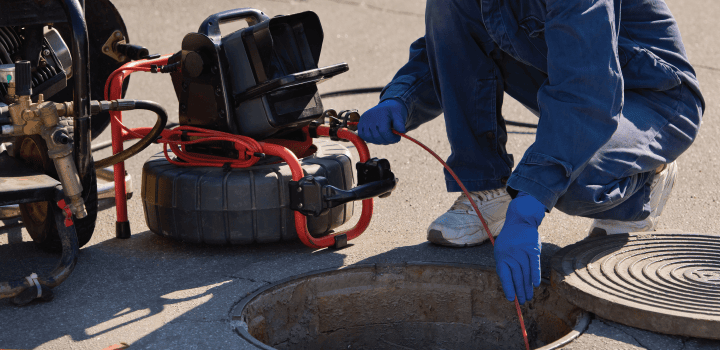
{"x":411,"y":306}
{"x":666,"y":283}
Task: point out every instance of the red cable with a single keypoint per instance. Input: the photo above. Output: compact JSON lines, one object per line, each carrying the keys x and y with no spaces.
{"x":492,"y":240}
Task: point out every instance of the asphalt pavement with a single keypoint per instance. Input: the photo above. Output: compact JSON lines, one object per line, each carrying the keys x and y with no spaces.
{"x":155,"y":293}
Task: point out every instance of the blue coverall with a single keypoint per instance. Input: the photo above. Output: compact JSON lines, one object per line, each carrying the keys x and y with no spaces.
{"x":609,"y":79}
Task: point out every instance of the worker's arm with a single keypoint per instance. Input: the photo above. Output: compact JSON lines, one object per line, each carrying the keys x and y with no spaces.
{"x":581,"y":101}
{"x":580,"y":105}
{"x":407,"y":102}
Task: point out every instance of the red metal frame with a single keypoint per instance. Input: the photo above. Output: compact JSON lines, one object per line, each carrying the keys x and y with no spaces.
{"x":120,"y":133}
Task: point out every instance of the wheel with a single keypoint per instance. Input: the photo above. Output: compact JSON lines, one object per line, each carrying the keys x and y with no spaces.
{"x":38,"y":217}
{"x":241,"y":206}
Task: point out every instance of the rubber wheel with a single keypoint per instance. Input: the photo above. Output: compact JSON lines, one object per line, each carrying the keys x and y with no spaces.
{"x":37,"y":217}
{"x":240,"y":206}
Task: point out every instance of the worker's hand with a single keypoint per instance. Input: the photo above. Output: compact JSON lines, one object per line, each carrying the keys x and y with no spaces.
{"x":517,"y":248}
{"x":377,"y":123}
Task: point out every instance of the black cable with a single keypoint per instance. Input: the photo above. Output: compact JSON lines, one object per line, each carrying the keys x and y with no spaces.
{"x":103,"y":145}
{"x":524,"y":125}
{"x":353,"y":92}
{"x":380,"y":88}
{"x":145,"y":141}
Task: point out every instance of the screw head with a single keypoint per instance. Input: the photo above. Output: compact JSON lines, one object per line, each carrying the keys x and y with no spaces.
{"x":299,"y":189}
{"x":122,"y":57}
{"x":300,"y":205}
{"x":118,"y":35}
{"x":46,"y":52}
{"x":106,"y":49}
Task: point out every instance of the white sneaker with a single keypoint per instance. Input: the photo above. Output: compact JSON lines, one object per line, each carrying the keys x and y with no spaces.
{"x":660,"y":191}
{"x":461,"y":227}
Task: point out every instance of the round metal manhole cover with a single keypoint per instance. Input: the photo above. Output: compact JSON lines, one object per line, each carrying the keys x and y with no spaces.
{"x":408,"y":306}
{"x":666,"y":283}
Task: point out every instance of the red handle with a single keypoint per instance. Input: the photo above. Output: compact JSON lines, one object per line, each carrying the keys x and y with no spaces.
{"x":297,"y":174}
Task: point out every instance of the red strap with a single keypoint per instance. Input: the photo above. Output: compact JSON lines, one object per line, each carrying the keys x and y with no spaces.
{"x":68,"y":213}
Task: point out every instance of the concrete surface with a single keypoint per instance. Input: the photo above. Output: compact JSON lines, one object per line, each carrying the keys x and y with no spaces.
{"x":154,"y":293}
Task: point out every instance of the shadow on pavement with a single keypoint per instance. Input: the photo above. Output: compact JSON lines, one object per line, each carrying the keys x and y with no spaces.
{"x":142,"y":289}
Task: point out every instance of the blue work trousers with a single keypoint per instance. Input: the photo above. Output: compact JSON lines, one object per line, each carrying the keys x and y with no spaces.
{"x":470,"y":73}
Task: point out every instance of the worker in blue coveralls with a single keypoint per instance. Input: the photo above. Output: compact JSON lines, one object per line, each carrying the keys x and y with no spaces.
{"x":617,"y":102}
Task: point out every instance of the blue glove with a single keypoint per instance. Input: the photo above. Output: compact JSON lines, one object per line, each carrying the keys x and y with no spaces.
{"x":377,"y":123}
{"x":517,"y":248}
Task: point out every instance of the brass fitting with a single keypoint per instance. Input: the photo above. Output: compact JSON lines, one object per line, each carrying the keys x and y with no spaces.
{"x":43,"y":118}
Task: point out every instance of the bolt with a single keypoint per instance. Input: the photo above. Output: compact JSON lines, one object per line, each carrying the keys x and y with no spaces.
{"x":299,"y":189}
{"x":46,"y":52}
{"x":106,"y":49}
{"x":300,"y":205}
{"x":122,"y":58}
{"x":184,"y":86}
{"x":218,"y":91}
{"x":118,"y":34}
{"x":214,"y":69}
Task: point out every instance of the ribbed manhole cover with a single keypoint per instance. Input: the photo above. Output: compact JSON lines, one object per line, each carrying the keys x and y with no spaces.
{"x":666,"y":283}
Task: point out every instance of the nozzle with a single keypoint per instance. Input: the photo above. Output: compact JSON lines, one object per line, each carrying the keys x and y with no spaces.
{"x":77,"y":206}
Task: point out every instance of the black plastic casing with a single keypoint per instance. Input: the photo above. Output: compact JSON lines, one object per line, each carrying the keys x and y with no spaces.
{"x":260,"y":81}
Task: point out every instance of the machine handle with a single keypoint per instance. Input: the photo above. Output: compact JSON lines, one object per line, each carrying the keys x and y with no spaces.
{"x":313,"y":195}
{"x":211,"y":25}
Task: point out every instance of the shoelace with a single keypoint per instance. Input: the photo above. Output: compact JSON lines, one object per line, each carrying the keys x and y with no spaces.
{"x":463,"y":202}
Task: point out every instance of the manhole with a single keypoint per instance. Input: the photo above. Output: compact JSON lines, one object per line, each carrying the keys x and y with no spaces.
{"x":412,"y":306}
{"x":666,"y":283}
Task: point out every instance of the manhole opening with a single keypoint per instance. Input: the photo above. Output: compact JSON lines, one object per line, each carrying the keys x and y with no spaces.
{"x":417,"y":306}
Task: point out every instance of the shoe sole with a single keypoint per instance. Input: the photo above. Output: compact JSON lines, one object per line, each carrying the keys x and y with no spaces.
{"x":436,"y":237}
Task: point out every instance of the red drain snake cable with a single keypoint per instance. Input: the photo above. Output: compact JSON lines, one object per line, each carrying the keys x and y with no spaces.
{"x":250,"y":148}
{"x":477,"y":211}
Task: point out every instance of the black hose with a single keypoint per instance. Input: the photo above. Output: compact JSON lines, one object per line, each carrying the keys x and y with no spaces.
{"x":145,"y":141}
{"x":524,"y":125}
{"x":103,"y":145}
{"x":352,"y":92}
{"x":380,"y":88}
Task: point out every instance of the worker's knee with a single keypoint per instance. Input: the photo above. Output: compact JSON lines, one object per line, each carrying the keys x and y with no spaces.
{"x":442,"y":15}
{"x":621,"y":199}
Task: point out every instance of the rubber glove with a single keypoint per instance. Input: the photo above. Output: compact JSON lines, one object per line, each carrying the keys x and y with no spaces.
{"x":377,"y":123}
{"x":517,"y":248}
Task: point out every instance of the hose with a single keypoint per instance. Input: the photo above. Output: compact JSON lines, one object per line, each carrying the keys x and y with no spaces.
{"x":105,"y":144}
{"x":371,"y":90}
{"x":151,"y":137}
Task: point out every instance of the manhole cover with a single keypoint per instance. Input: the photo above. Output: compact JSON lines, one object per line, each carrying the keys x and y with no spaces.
{"x":667,"y":283}
{"x":413,"y":306}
